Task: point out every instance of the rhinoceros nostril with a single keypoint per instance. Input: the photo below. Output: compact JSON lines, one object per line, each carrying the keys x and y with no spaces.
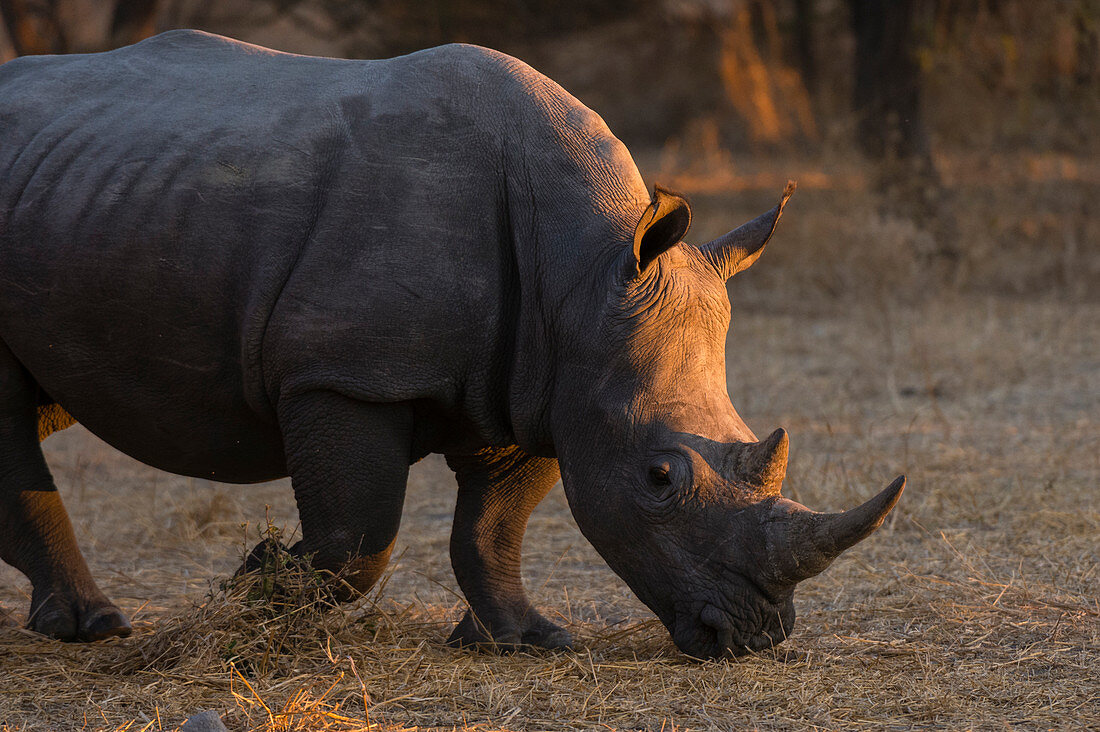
{"x":719,"y":623}
{"x":714,"y":618}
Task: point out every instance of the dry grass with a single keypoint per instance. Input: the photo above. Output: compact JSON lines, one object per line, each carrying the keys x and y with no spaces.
{"x":975,"y":607}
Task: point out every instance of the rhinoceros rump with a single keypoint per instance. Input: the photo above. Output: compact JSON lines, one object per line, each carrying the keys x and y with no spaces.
{"x":240,"y":264}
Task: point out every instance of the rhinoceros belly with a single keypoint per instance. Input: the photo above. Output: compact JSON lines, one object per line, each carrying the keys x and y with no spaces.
{"x":184,"y":418}
{"x":147,"y":335}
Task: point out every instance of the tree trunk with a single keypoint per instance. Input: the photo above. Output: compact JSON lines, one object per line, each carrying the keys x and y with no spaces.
{"x":133,"y":20}
{"x":804,"y":46}
{"x":891,"y":131}
{"x":887,"y":93}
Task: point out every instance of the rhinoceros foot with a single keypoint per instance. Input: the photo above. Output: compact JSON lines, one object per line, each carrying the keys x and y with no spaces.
{"x":70,"y":618}
{"x":276,"y":563}
{"x":265,"y":555}
{"x":508,"y":632}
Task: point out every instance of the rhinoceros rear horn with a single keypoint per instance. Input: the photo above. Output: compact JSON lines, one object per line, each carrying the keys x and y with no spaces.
{"x":763,"y":464}
{"x":736,"y":251}
{"x":662,"y":226}
{"x":804,"y":542}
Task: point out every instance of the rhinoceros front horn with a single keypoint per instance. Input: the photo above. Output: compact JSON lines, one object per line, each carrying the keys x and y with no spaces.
{"x":802,"y":543}
{"x":835,"y":532}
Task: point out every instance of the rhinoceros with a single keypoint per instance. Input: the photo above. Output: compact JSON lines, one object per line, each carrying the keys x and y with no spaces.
{"x":240,"y":264}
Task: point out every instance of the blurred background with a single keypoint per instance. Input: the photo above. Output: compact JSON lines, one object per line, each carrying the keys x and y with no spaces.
{"x":937,"y":143}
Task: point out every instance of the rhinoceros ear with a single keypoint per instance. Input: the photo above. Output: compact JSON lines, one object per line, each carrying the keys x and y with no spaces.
{"x":736,"y":251}
{"x":662,"y":226}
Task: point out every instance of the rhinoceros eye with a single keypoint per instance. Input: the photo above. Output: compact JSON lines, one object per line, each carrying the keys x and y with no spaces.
{"x":667,"y":476}
{"x":667,"y":482}
{"x":659,"y":475}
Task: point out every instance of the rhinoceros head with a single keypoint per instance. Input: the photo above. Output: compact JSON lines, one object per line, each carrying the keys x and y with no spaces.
{"x":663,"y":476}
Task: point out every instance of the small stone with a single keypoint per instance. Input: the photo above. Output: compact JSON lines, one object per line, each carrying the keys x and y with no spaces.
{"x":208,"y":721}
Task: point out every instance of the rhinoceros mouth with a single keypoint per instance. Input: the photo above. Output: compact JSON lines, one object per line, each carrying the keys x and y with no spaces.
{"x":713,"y":632}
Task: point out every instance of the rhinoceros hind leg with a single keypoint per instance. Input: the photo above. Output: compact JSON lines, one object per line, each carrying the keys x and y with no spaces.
{"x":497,"y":491}
{"x":52,"y":418}
{"x":36,"y":536}
{"x":79,"y":619}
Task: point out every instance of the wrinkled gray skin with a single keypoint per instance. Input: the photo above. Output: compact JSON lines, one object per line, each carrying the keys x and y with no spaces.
{"x":239,"y":264}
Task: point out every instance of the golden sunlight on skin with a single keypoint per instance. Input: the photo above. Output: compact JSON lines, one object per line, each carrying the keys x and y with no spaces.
{"x":52,"y":418}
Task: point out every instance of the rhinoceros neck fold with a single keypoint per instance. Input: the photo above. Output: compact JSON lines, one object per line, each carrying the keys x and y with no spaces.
{"x":574,"y":196}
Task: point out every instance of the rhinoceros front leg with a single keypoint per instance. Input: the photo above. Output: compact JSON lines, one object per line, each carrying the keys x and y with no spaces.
{"x":35,"y":534}
{"x":497,"y":491}
{"x":348,"y":462}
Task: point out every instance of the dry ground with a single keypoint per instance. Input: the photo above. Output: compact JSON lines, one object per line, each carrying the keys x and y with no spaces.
{"x":976,"y":606}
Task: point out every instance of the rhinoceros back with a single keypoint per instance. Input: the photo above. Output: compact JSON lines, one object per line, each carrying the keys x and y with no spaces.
{"x":191,"y":224}
{"x":153,"y":203}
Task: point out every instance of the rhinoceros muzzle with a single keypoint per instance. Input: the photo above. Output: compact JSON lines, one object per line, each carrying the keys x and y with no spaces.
{"x":741,"y":621}
{"x":752,"y":609}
